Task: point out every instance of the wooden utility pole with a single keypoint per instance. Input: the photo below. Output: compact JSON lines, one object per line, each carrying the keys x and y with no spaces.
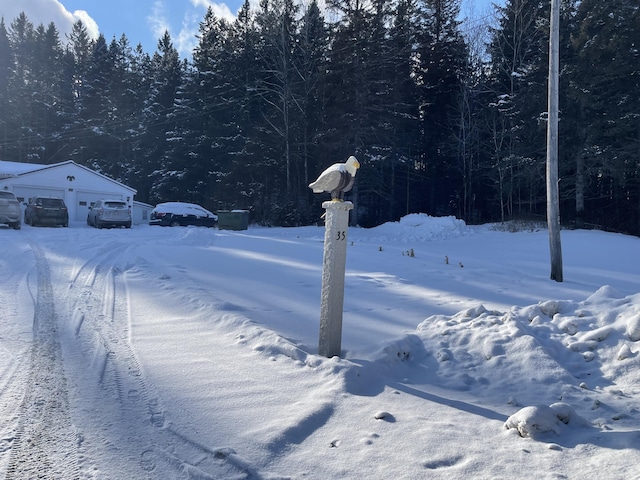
{"x":553,"y":198}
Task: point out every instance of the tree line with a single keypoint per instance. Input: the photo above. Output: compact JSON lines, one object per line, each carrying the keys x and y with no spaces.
{"x":447,"y":117}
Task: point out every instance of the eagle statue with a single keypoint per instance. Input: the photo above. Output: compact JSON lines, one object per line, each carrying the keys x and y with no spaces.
{"x":337,"y":179}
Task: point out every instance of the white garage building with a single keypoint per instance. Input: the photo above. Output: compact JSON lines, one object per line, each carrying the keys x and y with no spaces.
{"x":78,"y":186}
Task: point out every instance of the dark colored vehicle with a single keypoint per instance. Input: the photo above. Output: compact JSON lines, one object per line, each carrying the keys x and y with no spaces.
{"x":9,"y":209}
{"x":46,"y":210}
{"x":174,"y":214}
{"x":109,"y":213}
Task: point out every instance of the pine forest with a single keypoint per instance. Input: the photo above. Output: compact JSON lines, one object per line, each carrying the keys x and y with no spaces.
{"x":446,"y":115}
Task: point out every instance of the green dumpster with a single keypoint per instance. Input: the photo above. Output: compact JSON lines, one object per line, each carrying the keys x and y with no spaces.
{"x":233,"y":220}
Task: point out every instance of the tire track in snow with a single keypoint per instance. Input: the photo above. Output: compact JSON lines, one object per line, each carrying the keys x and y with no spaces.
{"x":14,"y":377}
{"x":130,"y":421}
{"x":15,"y":344}
{"x":45,"y":445}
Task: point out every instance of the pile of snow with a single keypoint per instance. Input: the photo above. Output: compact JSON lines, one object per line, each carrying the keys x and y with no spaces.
{"x":416,"y":227}
{"x":540,"y":419}
{"x":580,"y":353}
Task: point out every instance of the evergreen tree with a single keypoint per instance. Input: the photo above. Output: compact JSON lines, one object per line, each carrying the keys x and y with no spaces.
{"x":96,"y":109}
{"x":350,"y":50}
{"x":126,"y":103}
{"x":391,"y":122}
{"x":49,"y":89}
{"x":246,"y":186}
{"x":140,"y":80}
{"x":312,"y":60}
{"x":6,"y":67}
{"x":65,"y":109}
{"x":406,"y":182}
{"x":81,"y":46}
{"x":79,"y":50}
{"x":350,"y":88}
{"x":213,"y":130}
{"x":23,"y":143}
{"x":607,"y":90}
{"x":167,"y":77}
{"x":441,"y":67}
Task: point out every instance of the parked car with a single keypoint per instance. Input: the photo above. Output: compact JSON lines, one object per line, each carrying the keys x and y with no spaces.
{"x":46,"y":210}
{"x":109,"y":213}
{"x":175,"y":214}
{"x":10,"y":209}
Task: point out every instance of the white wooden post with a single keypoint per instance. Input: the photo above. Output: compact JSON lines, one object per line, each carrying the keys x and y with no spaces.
{"x":333,"y":271}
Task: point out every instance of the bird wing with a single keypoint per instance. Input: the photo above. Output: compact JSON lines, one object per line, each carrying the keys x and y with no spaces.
{"x":326,"y":182}
{"x":329,"y":179}
{"x":350,"y":182}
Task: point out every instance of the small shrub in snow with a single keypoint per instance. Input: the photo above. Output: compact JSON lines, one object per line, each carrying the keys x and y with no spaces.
{"x":515,"y":226}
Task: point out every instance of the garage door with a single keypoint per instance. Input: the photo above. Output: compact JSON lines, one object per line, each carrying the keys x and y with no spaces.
{"x":25,"y":193}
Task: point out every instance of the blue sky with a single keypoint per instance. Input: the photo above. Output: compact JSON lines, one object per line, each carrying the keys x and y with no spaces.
{"x":143,"y":21}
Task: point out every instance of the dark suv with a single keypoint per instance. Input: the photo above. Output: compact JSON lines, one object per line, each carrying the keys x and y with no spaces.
{"x":46,"y":210}
{"x":9,"y":209}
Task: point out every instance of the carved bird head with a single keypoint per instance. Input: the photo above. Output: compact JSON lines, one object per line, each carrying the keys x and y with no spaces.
{"x":352,"y":165}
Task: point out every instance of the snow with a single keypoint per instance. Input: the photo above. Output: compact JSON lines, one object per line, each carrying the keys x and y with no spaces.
{"x":181,"y":208}
{"x":13,"y":169}
{"x":192,"y":353}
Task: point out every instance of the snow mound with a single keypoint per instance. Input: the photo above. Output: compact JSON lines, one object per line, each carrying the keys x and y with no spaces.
{"x":580,"y":352}
{"x":533,"y":421}
{"x":633,"y":328}
{"x":403,"y":349}
{"x":416,"y":227}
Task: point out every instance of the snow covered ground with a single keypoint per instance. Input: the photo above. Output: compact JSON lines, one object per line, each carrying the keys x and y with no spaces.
{"x":162,"y":353}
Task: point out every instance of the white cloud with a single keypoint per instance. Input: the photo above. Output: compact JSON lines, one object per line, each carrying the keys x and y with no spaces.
{"x":90,"y":23}
{"x":186,"y":40}
{"x":220,"y":9}
{"x":158,"y":20}
{"x":47,"y":11}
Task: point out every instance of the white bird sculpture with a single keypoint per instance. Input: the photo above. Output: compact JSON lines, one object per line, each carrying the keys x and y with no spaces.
{"x":337,"y":179}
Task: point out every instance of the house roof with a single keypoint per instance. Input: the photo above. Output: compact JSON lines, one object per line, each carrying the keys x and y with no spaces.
{"x":13,"y":169}
{"x":17,"y":169}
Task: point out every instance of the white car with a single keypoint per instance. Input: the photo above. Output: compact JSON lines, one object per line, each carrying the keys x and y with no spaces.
{"x":10,"y":210}
{"x":174,"y":214}
{"x":109,"y":213}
